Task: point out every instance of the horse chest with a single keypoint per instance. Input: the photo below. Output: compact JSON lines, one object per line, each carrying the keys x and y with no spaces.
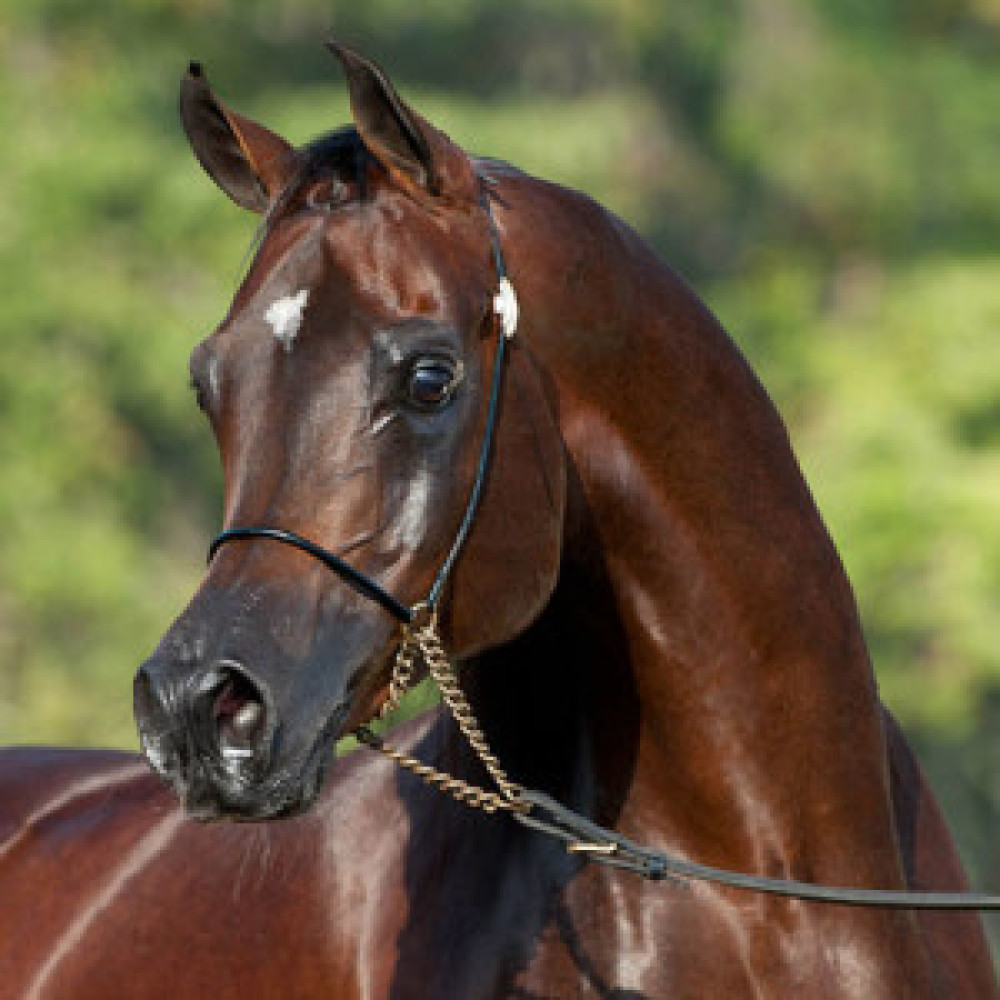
{"x":386,"y":892}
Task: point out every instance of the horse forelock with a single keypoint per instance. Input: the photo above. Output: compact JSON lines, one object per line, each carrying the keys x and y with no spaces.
{"x":338,"y":154}
{"x":341,"y":155}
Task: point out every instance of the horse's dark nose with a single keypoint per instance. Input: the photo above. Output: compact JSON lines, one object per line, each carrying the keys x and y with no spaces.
{"x":203,"y":727}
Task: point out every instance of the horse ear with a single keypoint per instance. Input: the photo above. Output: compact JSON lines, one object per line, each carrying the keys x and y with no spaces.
{"x":418,"y":157}
{"x":249,"y":162}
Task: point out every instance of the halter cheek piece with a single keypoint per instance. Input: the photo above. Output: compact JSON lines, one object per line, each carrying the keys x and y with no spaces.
{"x":532,"y":808}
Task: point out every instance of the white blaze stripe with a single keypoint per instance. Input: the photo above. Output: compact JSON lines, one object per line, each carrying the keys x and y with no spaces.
{"x":285,"y":317}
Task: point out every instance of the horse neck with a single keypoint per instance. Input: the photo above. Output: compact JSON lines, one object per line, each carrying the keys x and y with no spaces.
{"x":559,"y":704}
{"x":759,"y":734}
{"x":707,"y":607}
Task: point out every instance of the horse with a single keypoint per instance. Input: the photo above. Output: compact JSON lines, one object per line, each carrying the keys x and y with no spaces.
{"x":650,"y":621}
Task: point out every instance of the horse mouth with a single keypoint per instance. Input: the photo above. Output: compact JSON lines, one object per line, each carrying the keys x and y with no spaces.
{"x":224,"y":783}
{"x":212,"y":800}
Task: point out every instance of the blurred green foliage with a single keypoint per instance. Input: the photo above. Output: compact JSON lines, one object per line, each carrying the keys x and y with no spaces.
{"x":825,"y":173}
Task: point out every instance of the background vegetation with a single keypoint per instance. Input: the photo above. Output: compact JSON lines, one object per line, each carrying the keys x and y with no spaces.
{"x":825,"y":172}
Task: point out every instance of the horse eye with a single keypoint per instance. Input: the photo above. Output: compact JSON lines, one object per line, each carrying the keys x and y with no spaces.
{"x":433,"y":382}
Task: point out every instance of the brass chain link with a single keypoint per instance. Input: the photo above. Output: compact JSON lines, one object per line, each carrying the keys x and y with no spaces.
{"x":421,"y":639}
{"x":402,"y":675}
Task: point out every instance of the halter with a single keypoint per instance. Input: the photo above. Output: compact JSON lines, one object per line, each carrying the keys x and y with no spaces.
{"x":505,"y":307}
{"x":531,"y":808}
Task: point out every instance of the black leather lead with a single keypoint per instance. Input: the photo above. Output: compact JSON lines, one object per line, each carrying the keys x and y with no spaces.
{"x":602,"y":846}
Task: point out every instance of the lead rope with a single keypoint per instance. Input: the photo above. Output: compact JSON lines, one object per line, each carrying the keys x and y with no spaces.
{"x":579,"y":835}
{"x":421,"y":640}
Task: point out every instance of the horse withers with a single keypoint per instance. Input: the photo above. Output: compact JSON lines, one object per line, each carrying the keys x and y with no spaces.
{"x":652,"y":624}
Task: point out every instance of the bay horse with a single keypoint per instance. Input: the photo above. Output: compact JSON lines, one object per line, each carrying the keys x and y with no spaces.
{"x":652,"y":623}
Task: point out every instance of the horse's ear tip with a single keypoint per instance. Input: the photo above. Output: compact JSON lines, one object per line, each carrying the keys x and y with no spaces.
{"x":349,"y":58}
{"x":194,"y":84}
{"x":342,"y":52}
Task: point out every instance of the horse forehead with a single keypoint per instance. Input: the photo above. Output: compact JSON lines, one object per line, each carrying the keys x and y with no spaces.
{"x":386,"y":261}
{"x":399,"y":250}
{"x":286,"y":271}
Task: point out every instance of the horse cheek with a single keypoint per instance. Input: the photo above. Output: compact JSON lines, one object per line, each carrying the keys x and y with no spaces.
{"x":510,"y":565}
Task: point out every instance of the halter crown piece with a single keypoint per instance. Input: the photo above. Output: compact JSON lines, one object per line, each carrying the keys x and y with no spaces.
{"x":420,"y":641}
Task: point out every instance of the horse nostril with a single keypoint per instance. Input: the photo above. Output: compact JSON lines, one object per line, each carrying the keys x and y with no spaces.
{"x":151,"y":708}
{"x":144,"y":701}
{"x":238,"y":713}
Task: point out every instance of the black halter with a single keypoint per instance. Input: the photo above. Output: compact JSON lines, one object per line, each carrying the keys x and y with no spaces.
{"x":363,"y":584}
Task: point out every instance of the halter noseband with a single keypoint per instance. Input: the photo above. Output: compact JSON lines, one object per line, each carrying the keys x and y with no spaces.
{"x":505,"y":307}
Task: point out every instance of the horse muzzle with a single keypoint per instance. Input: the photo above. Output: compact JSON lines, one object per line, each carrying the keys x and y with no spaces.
{"x":213,"y":736}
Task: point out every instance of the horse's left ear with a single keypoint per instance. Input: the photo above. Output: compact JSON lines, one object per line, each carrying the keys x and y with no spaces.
{"x":419,"y":158}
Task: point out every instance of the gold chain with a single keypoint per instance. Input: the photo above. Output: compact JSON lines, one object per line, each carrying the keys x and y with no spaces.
{"x":421,"y":638}
{"x":402,"y":675}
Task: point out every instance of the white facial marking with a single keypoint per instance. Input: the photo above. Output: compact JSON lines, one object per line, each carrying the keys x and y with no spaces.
{"x":382,"y":422}
{"x":213,"y":377}
{"x":412,"y":521}
{"x":505,"y":306}
{"x":285,"y":317}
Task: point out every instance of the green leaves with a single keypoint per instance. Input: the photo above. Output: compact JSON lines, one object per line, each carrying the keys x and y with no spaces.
{"x":827,"y":182}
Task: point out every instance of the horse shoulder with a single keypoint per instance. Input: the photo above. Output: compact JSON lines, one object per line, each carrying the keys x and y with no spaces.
{"x":104,"y":881}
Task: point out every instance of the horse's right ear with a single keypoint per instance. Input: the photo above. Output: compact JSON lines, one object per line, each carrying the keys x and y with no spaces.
{"x":249,"y":162}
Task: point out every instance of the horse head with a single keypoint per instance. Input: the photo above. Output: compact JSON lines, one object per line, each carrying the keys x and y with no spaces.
{"x":346,"y":389}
